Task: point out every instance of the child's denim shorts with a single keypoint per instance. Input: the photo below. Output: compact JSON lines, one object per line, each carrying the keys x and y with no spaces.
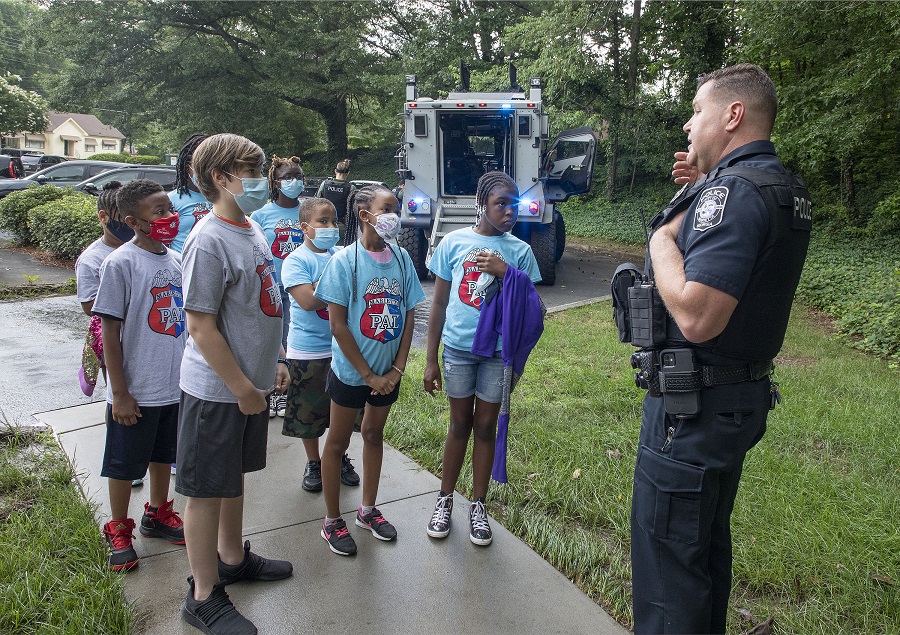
{"x":467,"y":374}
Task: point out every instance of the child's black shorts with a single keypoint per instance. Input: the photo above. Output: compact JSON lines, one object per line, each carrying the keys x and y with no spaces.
{"x":357,"y":396}
{"x":131,"y":449}
{"x":217,"y":445}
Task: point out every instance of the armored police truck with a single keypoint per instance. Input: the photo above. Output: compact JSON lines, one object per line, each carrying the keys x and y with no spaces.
{"x":449,"y":143}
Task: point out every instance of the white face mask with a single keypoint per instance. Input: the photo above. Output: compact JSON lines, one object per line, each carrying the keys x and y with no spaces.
{"x":255,"y":194}
{"x":386,"y":225}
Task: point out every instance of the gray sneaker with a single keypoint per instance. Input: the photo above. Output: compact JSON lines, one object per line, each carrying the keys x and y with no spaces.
{"x":439,"y":526}
{"x":479,"y":529}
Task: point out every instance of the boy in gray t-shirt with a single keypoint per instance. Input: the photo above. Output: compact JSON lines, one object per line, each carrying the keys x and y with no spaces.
{"x":139,"y":302}
{"x":230,"y":365}
{"x":87,"y":277}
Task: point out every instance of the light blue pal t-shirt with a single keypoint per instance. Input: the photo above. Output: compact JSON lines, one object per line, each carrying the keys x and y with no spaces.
{"x":310,"y":331}
{"x":191,"y":207}
{"x":454,"y":260}
{"x":376,"y":316}
{"x":282,"y":228}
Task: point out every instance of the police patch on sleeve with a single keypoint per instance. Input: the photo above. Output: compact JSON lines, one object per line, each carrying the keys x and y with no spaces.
{"x":710,"y":208}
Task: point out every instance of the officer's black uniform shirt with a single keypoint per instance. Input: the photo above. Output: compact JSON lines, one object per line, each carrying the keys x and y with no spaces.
{"x":724,"y":229}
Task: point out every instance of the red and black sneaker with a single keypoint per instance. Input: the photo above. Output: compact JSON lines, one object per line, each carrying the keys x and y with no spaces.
{"x":163,"y":523}
{"x":119,"y":534}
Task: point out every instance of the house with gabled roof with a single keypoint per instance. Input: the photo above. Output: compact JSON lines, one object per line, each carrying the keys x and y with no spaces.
{"x":70,"y":134}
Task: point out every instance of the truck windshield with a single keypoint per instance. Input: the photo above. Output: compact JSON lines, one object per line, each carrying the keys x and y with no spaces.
{"x":473,"y":144}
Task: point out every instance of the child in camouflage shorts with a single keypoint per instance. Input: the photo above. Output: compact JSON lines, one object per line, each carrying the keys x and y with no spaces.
{"x":307,"y":413}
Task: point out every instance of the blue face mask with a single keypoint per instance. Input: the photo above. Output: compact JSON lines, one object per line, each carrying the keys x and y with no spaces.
{"x":120,"y":230}
{"x":292,"y":188}
{"x":326,"y":237}
{"x":255,"y":195}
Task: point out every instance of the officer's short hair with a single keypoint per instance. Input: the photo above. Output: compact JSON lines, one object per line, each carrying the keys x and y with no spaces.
{"x":748,"y":83}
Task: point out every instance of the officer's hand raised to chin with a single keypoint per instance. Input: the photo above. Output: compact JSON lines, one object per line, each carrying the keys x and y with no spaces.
{"x":683,"y":171}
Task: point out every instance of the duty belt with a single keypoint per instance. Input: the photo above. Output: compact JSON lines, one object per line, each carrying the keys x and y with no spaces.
{"x":708,"y":376}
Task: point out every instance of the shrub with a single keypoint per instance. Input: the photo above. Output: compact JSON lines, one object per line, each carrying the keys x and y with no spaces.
{"x":146,"y":159}
{"x":66,"y":226}
{"x":855,"y":277}
{"x":14,"y":208}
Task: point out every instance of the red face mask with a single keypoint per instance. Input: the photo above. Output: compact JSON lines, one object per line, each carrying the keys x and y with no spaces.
{"x":164,"y":230}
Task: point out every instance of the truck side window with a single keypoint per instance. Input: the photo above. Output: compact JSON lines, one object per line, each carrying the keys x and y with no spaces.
{"x":524,"y":125}
{"x":420,"y":123}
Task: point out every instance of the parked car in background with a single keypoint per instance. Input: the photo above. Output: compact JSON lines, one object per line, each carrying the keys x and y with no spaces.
{"x":311,"y":186}
{"x":60,"y":175}
{"x":11,"y":168}
{"x":162,"y":174}
{"x":37,"y":162}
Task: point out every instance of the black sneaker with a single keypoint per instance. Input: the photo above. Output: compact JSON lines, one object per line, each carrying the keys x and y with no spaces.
{"x":348,"y":474}
{"x":312,"y":477}
{"x":375,"y":522}
{"x":254,"y":567}
{"x":479,"y":529}
{"x":339,"y":539}
{"x":216,"y":614}
{"x":119,"y":534}
{"x":439,"y":526}
{"x":163,"y":523}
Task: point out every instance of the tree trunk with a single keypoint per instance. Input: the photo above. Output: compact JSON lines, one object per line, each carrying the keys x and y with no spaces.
{"x":336,"y":129}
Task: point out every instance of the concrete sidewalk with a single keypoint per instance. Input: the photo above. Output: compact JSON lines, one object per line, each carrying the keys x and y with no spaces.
{"x":410,"y":586}
{"x":16,"y":265}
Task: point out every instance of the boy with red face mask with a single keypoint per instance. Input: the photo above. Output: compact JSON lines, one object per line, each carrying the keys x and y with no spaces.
{"x":140,"y":306}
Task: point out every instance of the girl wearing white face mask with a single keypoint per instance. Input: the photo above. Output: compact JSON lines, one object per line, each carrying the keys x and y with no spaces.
{"x":371,"y":319}
{"x":280,"y":220}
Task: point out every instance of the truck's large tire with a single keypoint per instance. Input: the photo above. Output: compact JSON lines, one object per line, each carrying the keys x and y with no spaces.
{"x":412,"y":239}
{"x":543,"y":244}
{"x":560,"y":235}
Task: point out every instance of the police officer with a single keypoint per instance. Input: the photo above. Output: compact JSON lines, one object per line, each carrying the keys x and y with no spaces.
{"x":727,"y":256}
{"x":338,"y":189}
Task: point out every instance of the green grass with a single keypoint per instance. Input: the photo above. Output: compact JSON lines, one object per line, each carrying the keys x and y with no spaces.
{"x":53,"y":576}
{"x":816,"y":525}
{"x":37,"y":289}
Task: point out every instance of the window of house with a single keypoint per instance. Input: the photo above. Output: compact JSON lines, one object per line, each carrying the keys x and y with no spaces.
{"x":90,"y":147}
{"x":109,"y":145}
{"x":34,"y":144}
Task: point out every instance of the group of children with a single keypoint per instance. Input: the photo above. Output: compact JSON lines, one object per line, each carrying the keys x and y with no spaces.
{"x":259,"y":301}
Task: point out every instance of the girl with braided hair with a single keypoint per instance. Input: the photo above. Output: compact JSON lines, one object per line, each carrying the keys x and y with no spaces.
{"x":280,"y":221}
{"x":186,"y":198}
{"x":371,"y":289}
{"x":474,"y":383}
{"x":87,"y":276}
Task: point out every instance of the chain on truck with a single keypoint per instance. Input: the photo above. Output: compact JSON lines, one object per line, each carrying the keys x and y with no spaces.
{"x":449,"y":143}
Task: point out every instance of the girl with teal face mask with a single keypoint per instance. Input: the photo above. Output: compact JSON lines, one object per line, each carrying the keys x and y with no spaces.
{"x":280,"y":221}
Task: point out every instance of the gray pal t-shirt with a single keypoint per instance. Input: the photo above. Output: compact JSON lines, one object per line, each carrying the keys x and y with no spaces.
{"x":228,"y":271}
{"x":143,"y":290}
{"x":87,"y":269}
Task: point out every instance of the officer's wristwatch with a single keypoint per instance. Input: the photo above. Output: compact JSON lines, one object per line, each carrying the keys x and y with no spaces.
{"x":282,"y":360}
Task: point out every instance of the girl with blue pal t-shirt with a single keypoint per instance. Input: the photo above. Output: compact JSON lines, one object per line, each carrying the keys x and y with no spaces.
{"x":371,"y":319}
{"x":186,"y":198}
{"x":280,"y":220}
{"x":474,"y":384}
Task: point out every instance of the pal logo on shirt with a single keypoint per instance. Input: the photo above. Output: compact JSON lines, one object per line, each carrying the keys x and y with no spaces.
{"x":467,"y":292}
{"x":200,"y":210}
{"x":269,"y":295}
{"x":288,"y":237}
{"x":167,"y":313}
{"x":381,"y":319}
